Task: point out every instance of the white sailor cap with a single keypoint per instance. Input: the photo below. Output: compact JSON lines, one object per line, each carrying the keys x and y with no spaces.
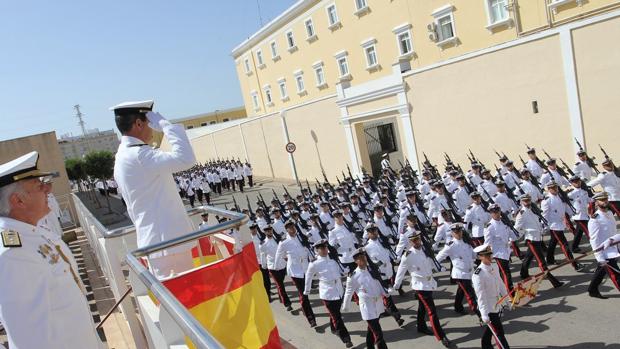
{"x":139,"y":106}
{"x":24,"y":167}
{"x":483,"y":249}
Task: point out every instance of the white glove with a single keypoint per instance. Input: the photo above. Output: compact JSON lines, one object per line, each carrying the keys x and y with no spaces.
{"x":486,"y":320}
{"x":436,"y":246}
{"x":155,"y":121}
{"x":390,"y":291}
{"x":608,"y":243}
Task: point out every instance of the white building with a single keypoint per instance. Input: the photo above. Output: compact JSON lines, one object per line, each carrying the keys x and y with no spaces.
{"x":78,"y":146}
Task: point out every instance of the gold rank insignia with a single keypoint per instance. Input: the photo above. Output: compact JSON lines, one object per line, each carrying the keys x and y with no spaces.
{"x":11,"y":238}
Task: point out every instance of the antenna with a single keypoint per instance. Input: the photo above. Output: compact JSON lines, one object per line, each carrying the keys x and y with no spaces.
{"x":79,"y":115}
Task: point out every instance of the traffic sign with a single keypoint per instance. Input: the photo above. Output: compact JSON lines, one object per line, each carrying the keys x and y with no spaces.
{"x":290,"y":147}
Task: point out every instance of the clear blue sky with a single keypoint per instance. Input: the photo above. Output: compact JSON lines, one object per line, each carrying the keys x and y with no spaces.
{"x":55,"y":54}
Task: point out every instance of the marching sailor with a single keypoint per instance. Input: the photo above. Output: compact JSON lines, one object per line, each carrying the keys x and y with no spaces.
{"x":602,"y":229}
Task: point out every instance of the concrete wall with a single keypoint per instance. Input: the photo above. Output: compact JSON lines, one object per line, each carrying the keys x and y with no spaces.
{"x":598,"y":77}
{"x":486,"y":102}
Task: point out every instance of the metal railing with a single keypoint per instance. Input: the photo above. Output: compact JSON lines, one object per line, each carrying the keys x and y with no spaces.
{"x":168,"y":323}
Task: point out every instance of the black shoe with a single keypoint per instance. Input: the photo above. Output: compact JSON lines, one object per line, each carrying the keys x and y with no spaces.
{"x":558,"y":285}
{"x":446,"y":343}
{"x":461,"y":311}
{"x":289,"y":308}
{"x":426,"y":331}
{"x":597,"y":294}
{"x":348,"y":344}
{"x":579,"y":267}
{"x":313,"y":324}
{"x":400,"y":322}
{"x":524,"y":276}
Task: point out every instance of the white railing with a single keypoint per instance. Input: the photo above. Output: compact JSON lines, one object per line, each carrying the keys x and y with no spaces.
{"x":163,"y":325}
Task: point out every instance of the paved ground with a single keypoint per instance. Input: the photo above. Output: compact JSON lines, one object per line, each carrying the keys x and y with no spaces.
{"x":563,"y":318}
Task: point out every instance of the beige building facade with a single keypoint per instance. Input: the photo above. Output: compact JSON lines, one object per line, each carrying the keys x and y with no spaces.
{"x":76,"y":147}
{"x":205,"y":119}
{"x":348,"y":80}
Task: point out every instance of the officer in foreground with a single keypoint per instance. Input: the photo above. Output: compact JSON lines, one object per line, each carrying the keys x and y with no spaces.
{"x":42,"y":299}
{"x":489,"y":288}
{"x":144,"y":177}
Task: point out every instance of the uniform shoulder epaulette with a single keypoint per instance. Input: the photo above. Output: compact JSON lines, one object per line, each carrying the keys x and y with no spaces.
{"x":576,"y":163}
{"x":595,"y":215}
{"x":450,"y":243}
{"x":477,"y":271}
{"x":487,"y":224}
{"x":470,"y":207}
{"x":10,"y":238}
{"x":136,"y":145}
{"x":521,"y":211}
{"x":407,"y":253}
{"x":495,"y":195}
{"x":440,"y":225}
{"x":603,"y":172}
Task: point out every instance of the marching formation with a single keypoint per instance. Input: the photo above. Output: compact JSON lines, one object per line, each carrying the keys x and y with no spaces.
{"x":376,"y":231}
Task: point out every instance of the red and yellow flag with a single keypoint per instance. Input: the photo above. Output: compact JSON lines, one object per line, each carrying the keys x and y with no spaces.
{"x":204,"y":253}
{"x":229,"y":299}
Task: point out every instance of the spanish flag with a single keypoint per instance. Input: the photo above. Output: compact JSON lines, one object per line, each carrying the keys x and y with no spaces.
{"x":207,"y":253}
{"x":229,"y":299}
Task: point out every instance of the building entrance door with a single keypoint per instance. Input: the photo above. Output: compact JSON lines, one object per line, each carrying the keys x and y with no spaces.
{"x":380,"y":139}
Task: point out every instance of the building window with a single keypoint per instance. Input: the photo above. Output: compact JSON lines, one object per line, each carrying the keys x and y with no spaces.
{"x":310,"y":34}
{"x":203,"y":124}
{"x":299,"y":82}
{"x":189,"y":127}
{"x":554,"y":4}
{"x":370,"y":52}
{"x":274,"y":51}
{"x":291,"y":42}
{"x":255,"y":100}
{"x":497,"y":11}
{"x":282,"y":87}
{"x":444,"y":25}
{"x":225,"y":119}
{"x":361,"y":7}
{"x":343,"y":65}
{"x":246,"y":65}
{"x":332,"y":17}
{"x":386,"y":138}
{"x":403,"y":40}
{"x":259,"y":59}
{"x":319,"y":74}
{"x":212,"y":122}
{"x":268,"y":97}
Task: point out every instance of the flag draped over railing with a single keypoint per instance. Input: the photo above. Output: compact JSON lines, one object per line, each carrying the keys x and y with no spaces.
{"x":229,"y":299}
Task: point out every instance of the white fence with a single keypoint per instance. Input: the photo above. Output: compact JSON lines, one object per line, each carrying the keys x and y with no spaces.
{"x":167,"y":324}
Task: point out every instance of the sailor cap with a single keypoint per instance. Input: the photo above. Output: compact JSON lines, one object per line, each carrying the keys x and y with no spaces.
{"x":600,"y":196}
{"x":24,"y":167}
{"x":484,"y":249}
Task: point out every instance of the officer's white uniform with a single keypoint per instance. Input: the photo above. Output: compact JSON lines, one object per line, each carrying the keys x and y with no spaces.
{"x":529,"y":188}
{"x":602,"y":226}
{"x":268,"y":254}
{"x":534,"y":168}
{"x":42,"y":300}
{"x":553,"y":209}
{"x":328,"y":271}
{"x":462,"y":256}
{"x":144,"y":177}
{"x":297,"y":256}
{"x":51,"y":219}
{"x":327,"y":219}
{"x":443,"y":233}
{"x":487,"y":187}
{"x":436,"y":204}
{"x":344,"y":241}
{"x":610,"y":183}
{"x":505,"y":203}
{"x":498,"y":236}
{"x":580,"y":201}
{"x":528,"y":223}
{"x":369,"y":291}
{"x":478,"y":217}
{"x":420,"y":267}
{"x":461,"y":199}
{"x":553,"y":175}
{"x":381,"y":257}
{"x":583,"y":170}
{"x":489,"y":289}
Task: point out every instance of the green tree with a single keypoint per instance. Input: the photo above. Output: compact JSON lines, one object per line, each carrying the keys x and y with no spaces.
{"x":100,"y":165}
{"x":75,"y":171}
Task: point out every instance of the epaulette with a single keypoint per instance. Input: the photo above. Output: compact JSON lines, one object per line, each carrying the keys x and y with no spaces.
{"x":495,"y":195}
{"x":486,"y":225}
{"x":10,"y":238}
{"x":136,"y":145}
{"x":450,"y":243}
{"x":576,"y":164}
{"x":440,"y":225}
{"x":470,"y":207}
{"x":595,"y":215}
{"x":521,"y":211}
{"x":603,"y":172}
{"x":477,"y":271}
{"x":407,"y":253}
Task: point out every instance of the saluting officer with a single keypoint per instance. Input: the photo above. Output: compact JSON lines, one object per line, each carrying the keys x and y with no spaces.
{"x":462,"y":256}
{"x":370,"y":294}
{"x":144,"y":177}
{"x":420,"y":267}
{"x":489,"y":290}
{"x":602,"y":228}
{"x":297,"y":258}
{"x":42,"y":299}
{"x":330,"y":288}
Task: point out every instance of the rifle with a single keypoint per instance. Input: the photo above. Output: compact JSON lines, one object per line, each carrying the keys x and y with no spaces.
{"x":308,"y":185}
{"x":235,"y":203}
{"x":496,"y":153}
{"x":523,"y":163}
{"x":615,"y":169}
{"x":349,"y":170}
{"x":567,"y":168}
{"x":289,"y":195}
{"x":250,"y":208}
{"x":589,"y":160}
{"x":476,"y":160}
{"x":324,"y":176}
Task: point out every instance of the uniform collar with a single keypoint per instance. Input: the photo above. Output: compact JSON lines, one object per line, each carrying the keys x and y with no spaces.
{"x":129,"y":140}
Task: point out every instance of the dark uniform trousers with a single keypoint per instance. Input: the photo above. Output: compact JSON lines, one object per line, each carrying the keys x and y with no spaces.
{"x":225,"y":183}
{"x":266,"y":282}
{"x":465,"y":290}
{"x":300,"y":284}
{"x":557,"y":236}
{"x":374,"y":335}
{"x":232,"y":182}
{"x":499,"y":331}
{"x":199,"y":195}
{"x":535,"y":250}
{"x":218,"y":187}
{"x":504,"y":270}
{"x":250,"y":181}
{"x":600,"y":272}
{"x":426,"y":304}
{"x":580,"y":229}
{"x":192,"y":199}
{"x":240,"y":184}
{"x":278,"y":278}
{"x":336,"y":324}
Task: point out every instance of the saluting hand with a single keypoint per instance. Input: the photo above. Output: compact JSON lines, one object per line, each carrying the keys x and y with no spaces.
{"x":155,"y":120}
